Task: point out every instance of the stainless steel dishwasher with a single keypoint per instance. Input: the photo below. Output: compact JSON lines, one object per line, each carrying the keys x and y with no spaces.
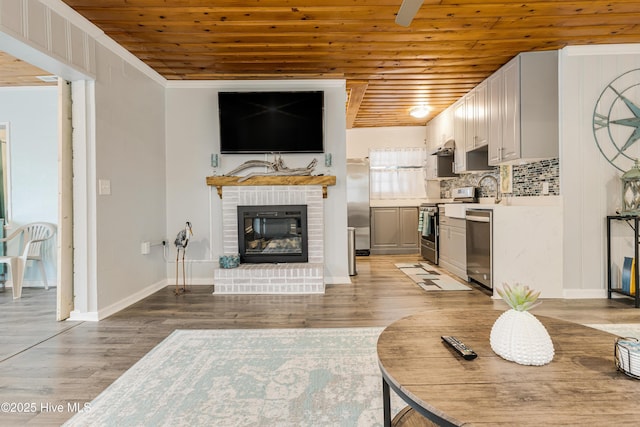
{"x":479,"y":246}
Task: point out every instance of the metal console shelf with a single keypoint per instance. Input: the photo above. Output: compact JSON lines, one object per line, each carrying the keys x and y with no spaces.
{"x":633,"y":221}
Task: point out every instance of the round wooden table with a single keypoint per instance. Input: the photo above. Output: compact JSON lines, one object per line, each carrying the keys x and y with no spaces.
{"x":581,"y":386}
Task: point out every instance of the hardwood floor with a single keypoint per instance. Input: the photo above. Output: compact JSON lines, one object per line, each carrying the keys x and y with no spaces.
{"x":48,"y":363}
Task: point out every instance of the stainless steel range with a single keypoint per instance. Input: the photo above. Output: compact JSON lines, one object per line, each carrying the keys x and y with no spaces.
{"x":428,"y":228}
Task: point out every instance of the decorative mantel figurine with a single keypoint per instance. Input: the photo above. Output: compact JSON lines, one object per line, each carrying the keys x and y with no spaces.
{"x":277,"y":168}
{"x":518,"y":335}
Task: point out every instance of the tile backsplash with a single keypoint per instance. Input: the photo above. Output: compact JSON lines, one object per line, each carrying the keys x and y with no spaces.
{"x":527,"y":180}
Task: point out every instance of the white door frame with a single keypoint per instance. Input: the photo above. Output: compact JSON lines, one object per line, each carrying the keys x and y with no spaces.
{"x":84,"y":202}
{"x":64,"y":291}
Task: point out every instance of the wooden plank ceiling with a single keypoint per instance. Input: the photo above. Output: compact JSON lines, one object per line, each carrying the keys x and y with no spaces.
{"x":15,"y":72}
{"x":449,"y":48}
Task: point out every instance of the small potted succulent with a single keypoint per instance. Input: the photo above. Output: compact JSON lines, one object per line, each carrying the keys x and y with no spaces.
{"x":517,"y":335}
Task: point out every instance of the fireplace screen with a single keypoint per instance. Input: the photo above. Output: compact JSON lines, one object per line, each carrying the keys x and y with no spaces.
{"x":276,"y":233}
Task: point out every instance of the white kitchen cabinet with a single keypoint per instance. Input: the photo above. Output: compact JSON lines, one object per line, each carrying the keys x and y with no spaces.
{"x":476,"y":130}
{"x":470,"y":133}
{"x":445,"y":126}
{"x":453,"y":246}
{"x":440,"y":129}
{"x":494,"y":104}
{"x":430,"y":135}
{"x":431,"y":166}
{"x":523,"y":109}
{"x":459,"y":134}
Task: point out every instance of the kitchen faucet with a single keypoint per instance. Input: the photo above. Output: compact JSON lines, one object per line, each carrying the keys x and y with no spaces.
{"x":498,"y":195}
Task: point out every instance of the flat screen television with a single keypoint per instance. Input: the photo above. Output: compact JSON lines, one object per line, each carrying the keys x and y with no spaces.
{"x":271,"y":122}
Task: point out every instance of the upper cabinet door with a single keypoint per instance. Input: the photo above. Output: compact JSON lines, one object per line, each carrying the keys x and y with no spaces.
{"x":481,"y":116}
{"x":523,"y":109}
{"x":470,"y":124}
{"x":459,"y":133}
{"x":494,"y":102}
{"x":511,"y":111}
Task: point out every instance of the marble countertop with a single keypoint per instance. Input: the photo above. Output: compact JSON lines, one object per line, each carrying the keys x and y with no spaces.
{"x":457,"y":210}
{"x":374,"y":203}
{"x":483,"y":202}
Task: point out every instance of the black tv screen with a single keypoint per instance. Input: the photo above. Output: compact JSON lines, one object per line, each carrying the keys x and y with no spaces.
{"x":271,"y":122}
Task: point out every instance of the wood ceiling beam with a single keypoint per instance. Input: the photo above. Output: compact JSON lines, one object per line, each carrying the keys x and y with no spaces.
{"x":356,"y":90}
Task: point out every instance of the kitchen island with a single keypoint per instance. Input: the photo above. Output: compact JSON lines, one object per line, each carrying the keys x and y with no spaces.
{"x":527,"y":244}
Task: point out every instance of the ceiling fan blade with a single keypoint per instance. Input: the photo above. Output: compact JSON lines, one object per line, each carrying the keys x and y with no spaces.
{"x":407,"y":11}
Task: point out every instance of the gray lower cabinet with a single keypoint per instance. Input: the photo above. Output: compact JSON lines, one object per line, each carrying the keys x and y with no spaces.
{"x":453,"y":246}
{"x":394,"y":230}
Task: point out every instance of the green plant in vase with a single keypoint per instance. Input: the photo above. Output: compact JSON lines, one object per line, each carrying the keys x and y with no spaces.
{"x":518,"y":335}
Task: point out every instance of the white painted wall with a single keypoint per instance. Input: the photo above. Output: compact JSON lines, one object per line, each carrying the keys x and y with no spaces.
{"x":119,"y":137}
{"x":192,"y":136}
{"x":590,"y":186}
{"x":130,"y":153}
{"x":32,"y":115}
{"x":361,"y":140}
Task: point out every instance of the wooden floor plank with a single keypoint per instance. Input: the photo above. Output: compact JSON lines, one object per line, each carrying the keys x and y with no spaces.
{"x":44,"y":361}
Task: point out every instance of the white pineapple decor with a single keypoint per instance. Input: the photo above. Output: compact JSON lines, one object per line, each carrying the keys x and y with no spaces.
{"x":517,"y":335}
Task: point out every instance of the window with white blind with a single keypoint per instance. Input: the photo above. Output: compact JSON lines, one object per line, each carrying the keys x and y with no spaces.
{"x":397,"y":173}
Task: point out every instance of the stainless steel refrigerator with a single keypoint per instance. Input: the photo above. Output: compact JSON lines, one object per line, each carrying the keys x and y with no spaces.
{"x":358,"y":202}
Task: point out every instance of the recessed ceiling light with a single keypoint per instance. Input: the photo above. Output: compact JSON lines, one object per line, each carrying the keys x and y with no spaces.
{"x":420,"y":111}
{"x":48,"y":79}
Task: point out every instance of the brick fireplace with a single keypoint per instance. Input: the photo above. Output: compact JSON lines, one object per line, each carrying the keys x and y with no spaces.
{"x":270,"y":278}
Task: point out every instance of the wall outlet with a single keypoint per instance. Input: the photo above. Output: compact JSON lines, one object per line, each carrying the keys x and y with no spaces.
{"x":145,"y":248}
{"x":545,"y":188}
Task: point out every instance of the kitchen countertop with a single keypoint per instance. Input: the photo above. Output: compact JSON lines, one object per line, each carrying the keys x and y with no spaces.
{"x":457,"y":210}
{"x":377,"y":203}
{"x":483,"y":202}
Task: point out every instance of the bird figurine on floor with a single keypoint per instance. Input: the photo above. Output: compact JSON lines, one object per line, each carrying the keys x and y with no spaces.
{"x":181,"y":242}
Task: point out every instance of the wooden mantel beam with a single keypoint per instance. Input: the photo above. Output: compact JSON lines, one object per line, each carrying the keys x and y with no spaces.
{"x":323,"y":180}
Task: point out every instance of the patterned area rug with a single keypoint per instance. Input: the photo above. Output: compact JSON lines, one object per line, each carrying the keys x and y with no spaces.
{"x":430,"y":279}
{"x":621,"y":329}
{"x":270,"y":377}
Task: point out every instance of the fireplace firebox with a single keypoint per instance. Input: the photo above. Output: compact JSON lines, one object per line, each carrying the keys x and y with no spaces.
{"x":272,"y":234}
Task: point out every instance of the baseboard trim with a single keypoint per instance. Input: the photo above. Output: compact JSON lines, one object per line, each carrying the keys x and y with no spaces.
{"x":584,"y":293}
{"x":131,"y":299}
{"x":77,"y":316}
{"x":93,"y":316}
{"x":338,"y":280}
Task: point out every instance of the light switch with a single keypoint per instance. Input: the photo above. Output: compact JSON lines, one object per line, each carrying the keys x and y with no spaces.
{"x":104,"y":187}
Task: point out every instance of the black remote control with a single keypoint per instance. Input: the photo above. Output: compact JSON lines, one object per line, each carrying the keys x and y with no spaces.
{"x":459,"y":346}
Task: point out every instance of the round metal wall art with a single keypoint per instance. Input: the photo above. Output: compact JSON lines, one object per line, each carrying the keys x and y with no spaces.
{"x":616,"y":121}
